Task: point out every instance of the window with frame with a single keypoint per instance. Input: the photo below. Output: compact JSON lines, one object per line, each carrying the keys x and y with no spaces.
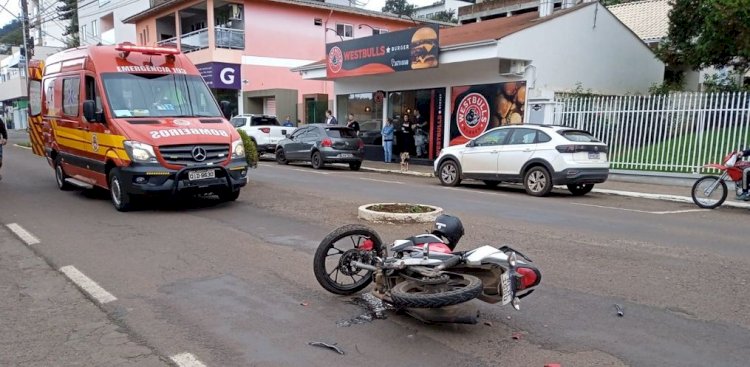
{"x":523,"y":136}
{"x":494,"y":137}
{"x":92,"y":93}
{"x":71,"y":96}
{"x":376,"y":31}
{"x":94,"y":28}
{"x":345,"y":30}
{"x":83,"y":32}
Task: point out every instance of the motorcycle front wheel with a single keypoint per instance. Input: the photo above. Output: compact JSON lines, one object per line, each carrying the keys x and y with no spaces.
{"x":709,"y":192}
{"x":459,"y":288}
{"x":333,"y":266}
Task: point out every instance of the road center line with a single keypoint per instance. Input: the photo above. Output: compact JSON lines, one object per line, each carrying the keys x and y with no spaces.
{"x":376,"y":180}
{"x":23,"y":234}
{"x":641,"y":211}
{"x":309,"y":171}
{"x":475,"y":191}
{"x":89,"y":286}
{"x":186,"y":360}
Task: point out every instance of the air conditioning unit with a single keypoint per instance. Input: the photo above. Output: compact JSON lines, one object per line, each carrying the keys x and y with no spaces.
{"x":235,"y":12}
{"x":512,"y":67}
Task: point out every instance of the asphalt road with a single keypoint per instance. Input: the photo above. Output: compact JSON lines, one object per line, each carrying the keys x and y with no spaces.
{"x":232,"y":283}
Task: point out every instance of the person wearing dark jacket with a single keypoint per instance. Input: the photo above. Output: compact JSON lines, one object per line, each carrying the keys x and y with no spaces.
{"x":3,"y":141}
{"x":745,"y":195}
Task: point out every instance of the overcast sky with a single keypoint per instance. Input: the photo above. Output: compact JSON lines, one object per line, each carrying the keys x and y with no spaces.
{"x":12,"y":5}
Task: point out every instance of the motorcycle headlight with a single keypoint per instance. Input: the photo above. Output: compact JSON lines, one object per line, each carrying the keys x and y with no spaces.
{"x":238,"y":149}
{"x":140,"y":152}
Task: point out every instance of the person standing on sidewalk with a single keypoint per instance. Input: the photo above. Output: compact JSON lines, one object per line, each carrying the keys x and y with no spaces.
{"x":353,"y":124}
{"x":387,"y":133}
{"x":3,"y":141}
{"x":330,"y":118}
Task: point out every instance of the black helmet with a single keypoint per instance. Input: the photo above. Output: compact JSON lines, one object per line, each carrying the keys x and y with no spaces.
{"x":450,"y":228}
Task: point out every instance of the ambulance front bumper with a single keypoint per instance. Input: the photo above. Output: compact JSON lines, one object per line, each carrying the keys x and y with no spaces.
{"x":153,"y":179}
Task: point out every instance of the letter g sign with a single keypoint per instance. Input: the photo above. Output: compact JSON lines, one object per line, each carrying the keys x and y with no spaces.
{"x":227,"y":76}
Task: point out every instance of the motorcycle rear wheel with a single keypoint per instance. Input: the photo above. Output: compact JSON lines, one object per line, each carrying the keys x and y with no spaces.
{"x":713,"y":199}
{"x":461,"y":288}
{"x":331,"y":271}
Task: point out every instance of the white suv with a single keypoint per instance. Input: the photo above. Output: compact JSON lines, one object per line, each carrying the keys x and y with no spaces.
{"x":538,"y":156}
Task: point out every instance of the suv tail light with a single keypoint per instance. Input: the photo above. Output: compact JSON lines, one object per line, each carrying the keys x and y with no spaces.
{"x":327,"y":143}
{"x":597,"y":148}
{"x":528,"y":277}
{"x":265,"y":130}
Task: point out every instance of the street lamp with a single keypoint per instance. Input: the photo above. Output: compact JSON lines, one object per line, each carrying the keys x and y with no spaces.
{"x":337,"y":33}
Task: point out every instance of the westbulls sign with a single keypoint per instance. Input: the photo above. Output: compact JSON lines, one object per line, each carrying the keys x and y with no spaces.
{"x":220,"y":75}
{"x":410,"y":49}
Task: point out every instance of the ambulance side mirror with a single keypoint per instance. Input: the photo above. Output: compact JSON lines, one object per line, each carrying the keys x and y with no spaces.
{"x":226,"y":109}
{"x":89,"y":111}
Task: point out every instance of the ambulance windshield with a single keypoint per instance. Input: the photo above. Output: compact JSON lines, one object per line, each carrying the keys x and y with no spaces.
{"x":159,"y":95}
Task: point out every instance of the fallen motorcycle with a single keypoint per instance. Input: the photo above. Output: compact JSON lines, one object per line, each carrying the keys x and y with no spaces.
{"x":710,"y":191}
{"x":423,"y":271}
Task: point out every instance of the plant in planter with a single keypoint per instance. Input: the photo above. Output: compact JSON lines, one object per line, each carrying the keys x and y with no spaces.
{"x":399,"y":213}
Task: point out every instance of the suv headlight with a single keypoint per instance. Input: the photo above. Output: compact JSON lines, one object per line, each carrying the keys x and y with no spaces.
{"x":140,"y":152}
{"x":238,"y":149}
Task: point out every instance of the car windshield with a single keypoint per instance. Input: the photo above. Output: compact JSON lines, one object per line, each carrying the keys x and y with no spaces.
{"x":341,"y":133}
{"x":578,"y":136}
{"x":264,"y":121}
{"x":149,"y":95}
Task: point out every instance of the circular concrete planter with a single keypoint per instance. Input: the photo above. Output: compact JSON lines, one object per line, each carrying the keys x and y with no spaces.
{"x":370,"y":212}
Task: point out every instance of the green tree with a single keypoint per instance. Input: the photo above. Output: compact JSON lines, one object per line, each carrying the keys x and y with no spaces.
{"x":399,"y":7}
{"x":445,"y":16}
{"x":705,"y":33}
{"x":68,"y":10}
{"x":11,"y":34}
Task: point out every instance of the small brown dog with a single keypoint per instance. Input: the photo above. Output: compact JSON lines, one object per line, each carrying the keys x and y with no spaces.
{"x":404,"y":161}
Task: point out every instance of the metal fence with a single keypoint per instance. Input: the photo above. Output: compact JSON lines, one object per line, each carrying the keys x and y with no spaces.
{"x":676,"y":133}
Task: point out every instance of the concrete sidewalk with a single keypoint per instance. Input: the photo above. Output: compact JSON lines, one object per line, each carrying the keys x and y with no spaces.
{"x":666,"y":189}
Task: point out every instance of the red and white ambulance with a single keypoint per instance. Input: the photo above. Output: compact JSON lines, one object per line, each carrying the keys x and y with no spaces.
{"x":134,"y":120}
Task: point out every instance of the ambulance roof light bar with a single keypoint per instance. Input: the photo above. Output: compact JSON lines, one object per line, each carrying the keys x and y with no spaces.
{"x":128,"y":47}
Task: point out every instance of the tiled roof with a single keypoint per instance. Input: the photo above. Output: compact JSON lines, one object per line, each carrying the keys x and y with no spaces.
{"x":649,"y":19}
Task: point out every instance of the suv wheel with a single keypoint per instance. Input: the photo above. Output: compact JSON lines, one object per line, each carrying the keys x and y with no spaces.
{"x":537,"y":181}
{"x":449,"y":173}
{"x":580,"y":189}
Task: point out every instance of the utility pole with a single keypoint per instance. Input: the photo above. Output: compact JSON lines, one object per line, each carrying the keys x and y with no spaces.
{"x":25,"y":28}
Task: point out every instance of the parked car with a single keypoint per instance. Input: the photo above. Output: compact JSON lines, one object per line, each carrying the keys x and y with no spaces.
{"x":536,"y":155}
{"x":320,"y":144}
{"x":264,"y":130}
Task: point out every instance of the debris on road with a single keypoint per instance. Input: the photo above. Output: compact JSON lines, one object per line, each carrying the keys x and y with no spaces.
{"x":332,"y":347}
{"x":303,"y":303}
{"x":488,"y":323}
{"x":517,"y":336}
{"x":620,"y":311}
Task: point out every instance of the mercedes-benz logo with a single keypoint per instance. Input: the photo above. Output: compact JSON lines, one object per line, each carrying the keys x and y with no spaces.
{"x":199,"y":154}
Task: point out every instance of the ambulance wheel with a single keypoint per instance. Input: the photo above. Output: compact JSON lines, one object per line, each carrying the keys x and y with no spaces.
{"x":60,"y":176}
{"x":120,"y":199}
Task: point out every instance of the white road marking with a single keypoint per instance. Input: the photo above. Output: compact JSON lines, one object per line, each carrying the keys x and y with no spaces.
{"x":186,"y":360}
{"x":309,"y":171}
{"x":23,"y":234}
{"x":376,"y":180}
{"x":89,"y":286}
{"x":475,"y":191}
{"x":21,"y":146}
{"x":674,"y":198}
{"x":642,"y":211}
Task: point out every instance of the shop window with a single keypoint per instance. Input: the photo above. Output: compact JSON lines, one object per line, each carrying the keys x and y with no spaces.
{"x":376,"y":31}
{"x":345,"y":30}
{"x":71,"y":96}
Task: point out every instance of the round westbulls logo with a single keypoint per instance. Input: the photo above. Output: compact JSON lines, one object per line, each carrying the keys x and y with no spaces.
{"x":473,"y":115}
{"x":335,"y":59}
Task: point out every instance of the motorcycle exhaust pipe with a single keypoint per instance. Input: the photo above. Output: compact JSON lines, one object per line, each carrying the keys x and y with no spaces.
{"x":364,"y":266}
{"x":449,"y":263}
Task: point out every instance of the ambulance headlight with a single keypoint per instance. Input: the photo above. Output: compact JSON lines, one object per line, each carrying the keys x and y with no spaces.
{"x":140,"y":152}
{"x":238,"y":149}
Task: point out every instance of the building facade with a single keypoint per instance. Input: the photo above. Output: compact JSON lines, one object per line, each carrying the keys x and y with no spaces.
{"x":440,"y":6}
{"x":13,"y":90}
{"x":249,"y":46}
{"x":101,"y":21}
{"x":44,"y":26}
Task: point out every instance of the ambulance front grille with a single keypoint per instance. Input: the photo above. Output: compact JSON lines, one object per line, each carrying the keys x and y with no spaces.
{"x":182,"y":155}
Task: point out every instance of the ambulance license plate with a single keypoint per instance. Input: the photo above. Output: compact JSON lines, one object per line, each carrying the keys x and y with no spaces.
{"x":201,"y":175}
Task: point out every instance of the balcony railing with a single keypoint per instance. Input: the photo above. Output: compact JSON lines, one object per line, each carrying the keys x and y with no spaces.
{"x":230,"y":38}
{"x":194,"y":41}
{"x":198,"y":40}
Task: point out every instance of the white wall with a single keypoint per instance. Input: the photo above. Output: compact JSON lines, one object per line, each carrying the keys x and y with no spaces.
{"x":589,"y":46}
{"x":445,"y":5}
{"x":51,"y":29}
{"x":120,"y":9}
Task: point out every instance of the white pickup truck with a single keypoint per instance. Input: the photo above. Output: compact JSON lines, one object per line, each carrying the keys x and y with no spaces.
{"x":266,"y":131}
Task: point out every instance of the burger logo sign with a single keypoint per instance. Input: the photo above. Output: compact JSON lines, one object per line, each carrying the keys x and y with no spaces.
{"x":335,"y":59}
{"x":473,"y":115}
{"x":409,"y":49}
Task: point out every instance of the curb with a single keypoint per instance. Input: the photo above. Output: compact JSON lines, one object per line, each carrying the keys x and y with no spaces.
{"x":664,"y":197}
{"x":398,"y":172}
{"x":381,"y":217}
